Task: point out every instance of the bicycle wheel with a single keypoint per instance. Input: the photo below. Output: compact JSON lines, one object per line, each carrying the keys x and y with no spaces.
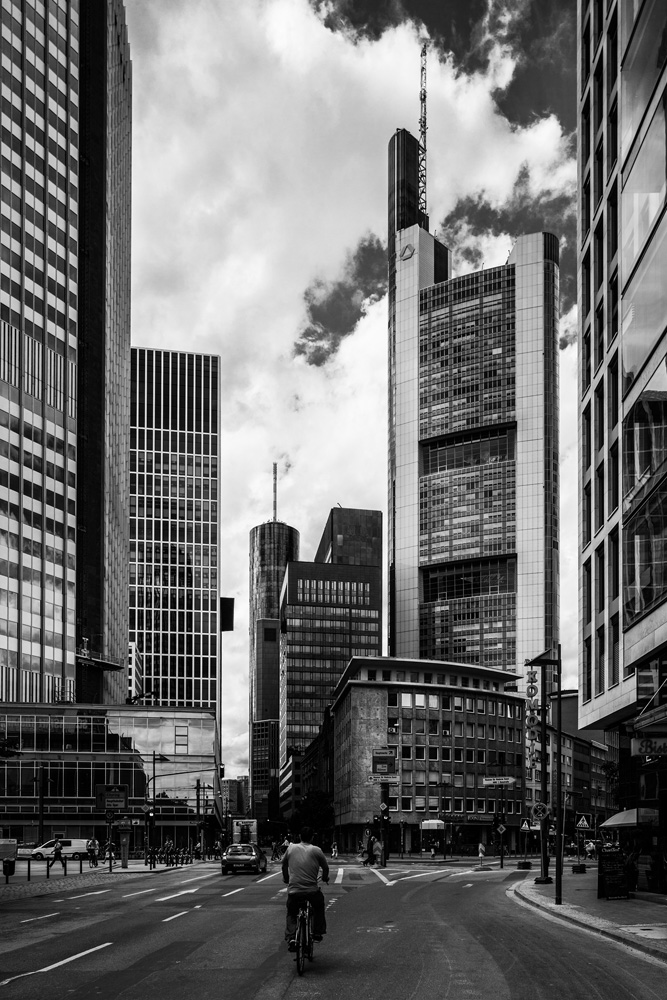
{"x":301,"y":934}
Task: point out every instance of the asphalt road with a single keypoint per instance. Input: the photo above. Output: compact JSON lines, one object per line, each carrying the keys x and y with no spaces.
{"x":396,"y":934}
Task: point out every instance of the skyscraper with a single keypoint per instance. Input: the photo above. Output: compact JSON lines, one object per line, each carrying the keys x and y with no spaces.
{"x":330,"y":610}
{"x":473,"y":442}
{"x":174,"y":525}
{"x":273,"y":545}
{"x":623,"y":385}
{"x":64,"y":350}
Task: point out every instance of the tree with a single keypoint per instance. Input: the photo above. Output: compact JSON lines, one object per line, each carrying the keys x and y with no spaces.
{"x":8,"y":749}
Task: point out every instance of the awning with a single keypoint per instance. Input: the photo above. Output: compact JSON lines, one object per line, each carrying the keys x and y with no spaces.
{"x":629,"y":818}
{"x":432,"y":824}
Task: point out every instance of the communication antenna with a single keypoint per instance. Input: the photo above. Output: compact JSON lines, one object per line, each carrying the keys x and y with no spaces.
{"x":275,"y":491}
{"x":422,"y":133}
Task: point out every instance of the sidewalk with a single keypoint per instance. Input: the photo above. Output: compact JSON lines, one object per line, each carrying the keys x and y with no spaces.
{"x":639,"y":922}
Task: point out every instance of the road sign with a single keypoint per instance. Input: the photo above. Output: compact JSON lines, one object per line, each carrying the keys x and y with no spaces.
{"x":583,"y":824}
{"x":384,"y":761}
{"x":499,"y":781}
{"x":540,"y":810}
{"x":525,"y":826}
{"x":381,"y":779}
{"x":110,"y":815}
{"x":501,"y":829}
{"x":146,"y":808}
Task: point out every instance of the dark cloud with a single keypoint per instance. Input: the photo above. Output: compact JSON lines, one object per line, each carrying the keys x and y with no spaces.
{"x":335,"y":307}
{"x":475,"y":217}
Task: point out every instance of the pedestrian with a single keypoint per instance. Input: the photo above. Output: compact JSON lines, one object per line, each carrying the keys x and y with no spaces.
{"x":377,"y":853}
{"x":57,"y":856}
{"x":93,"y":848}
{"x":432,"y":852}
{"x":481,"y":852}
{"x":334,"y":850}
{"x":368,"y":860}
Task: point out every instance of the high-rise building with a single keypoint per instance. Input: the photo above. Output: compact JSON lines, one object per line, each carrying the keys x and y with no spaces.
{"x":330,"y":610}
{"x":622,"y":251}
{"x":64,"y":350}
{"x":273,"y":545}
{"x":473,"y":442}
{"x":174,"y":525}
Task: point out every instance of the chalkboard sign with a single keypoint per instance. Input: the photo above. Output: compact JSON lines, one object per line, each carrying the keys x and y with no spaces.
{"x":612,"y":873}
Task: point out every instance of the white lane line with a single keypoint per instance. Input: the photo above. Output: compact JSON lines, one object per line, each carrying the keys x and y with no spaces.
{"x":183,"y":892}
{"x":198,"y":877}
{"x":380,"y":876}
{"x":56,"y":965}
{"x":139,"y":893}
{"x":99,"y":892}
{"x":232,"y":892}
{"x":339,"y":877}
{"x":267,"y":877}
{"x":406,"y":878}
{"x":30,"y":919}
{"x":181,"y":914}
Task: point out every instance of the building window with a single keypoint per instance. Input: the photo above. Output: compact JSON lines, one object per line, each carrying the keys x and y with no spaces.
{"x":614,"y":651}
{"x":599,"y":415}
{"x":586,"y":514}
{"x":612,"y":392}
{"x":614,"y":575}
{"x":599,"y":661}
{"x":613,"y":478}
{"x":599,"y":496}
{"x":600,"y":580}
{"x":587,"y":679}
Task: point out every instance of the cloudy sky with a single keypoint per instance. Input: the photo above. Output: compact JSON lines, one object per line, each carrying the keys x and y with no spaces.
{"x":259,"y":228}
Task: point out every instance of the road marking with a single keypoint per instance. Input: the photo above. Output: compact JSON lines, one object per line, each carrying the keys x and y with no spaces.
{"x":99,"y":892}
{"x":181,"y":914}
{"x":432,"y":871}
{"x":468,"y":886}
{"x":339,"y":877}
{"x":198,"y":877}
{"x":139,"y":893}
{"x":30,"y":919}
{"x":380,"y":875}
{"x":232,"y":892}
{"x":183,"y":892}
{"x":56,"y":965}
{"x":266,"y":877}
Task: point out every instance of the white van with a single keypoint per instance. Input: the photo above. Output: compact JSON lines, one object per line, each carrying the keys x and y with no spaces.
{"x":71,"y":849}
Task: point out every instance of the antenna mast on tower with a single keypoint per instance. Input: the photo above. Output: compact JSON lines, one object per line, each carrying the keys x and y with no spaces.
{"x":422,"y":133}
{"x":275,"y":491}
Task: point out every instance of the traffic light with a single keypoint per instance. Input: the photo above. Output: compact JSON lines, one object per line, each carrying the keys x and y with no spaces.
{"x":496,"y":822}
{"x":376,"y":819}
{"x":222,"y":771}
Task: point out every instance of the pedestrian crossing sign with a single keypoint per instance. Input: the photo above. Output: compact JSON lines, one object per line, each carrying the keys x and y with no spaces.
{"x":525,"y":826}
{"x":583,"y":824}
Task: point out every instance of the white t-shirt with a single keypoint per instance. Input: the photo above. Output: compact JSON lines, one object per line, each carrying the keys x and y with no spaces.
{"x":304,"y":862}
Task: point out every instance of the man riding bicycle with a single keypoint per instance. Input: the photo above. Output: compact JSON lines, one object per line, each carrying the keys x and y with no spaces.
{"x":301,"y":866}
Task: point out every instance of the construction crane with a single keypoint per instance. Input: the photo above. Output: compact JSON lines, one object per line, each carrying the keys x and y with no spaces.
{"x":422,"y":133}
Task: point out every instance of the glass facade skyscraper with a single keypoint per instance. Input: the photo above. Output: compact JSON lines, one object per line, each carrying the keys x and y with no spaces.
{"x":330,"y":610}
{"x":174,"y":525}
{"x":622,"y":258}
{"x":473,"y":445}
{"x":273,"y":545}
{"x":64,"y":350}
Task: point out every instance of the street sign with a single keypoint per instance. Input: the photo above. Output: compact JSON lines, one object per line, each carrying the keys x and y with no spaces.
{"x":110,"y":815}
{"x":381,"y":779}
{"x":525,"y":826}
{"x":583,"y":824}
{"x":501,"y":829}
{"x":500,"y":782}
{"x":540,"y":810}
{"x":383,"y":761}
{"x":146,"y":808}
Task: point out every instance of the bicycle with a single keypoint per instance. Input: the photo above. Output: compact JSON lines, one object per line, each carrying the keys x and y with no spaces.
{"x":304,"y":936}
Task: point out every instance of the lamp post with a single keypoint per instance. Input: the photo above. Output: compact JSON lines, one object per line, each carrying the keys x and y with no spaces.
{"x":151,"y":845}
{"x":544,"y":660}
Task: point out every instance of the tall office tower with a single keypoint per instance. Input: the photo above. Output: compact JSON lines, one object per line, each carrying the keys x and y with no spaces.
{"x":174,"y":525}
{"x":623,"y":380}
{"x":64,"y":349}
{"x":272,"y":546}
{"x":473,"y":443}
{"x":329,"y":610}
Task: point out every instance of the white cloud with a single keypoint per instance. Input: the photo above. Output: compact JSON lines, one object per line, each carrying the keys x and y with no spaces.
{"x":260,"y":144}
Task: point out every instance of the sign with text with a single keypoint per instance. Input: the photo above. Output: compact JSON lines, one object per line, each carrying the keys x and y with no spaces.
{"x":380,"y":779}
{"x":111,"y":797}
{"x":384,"y":761}
{"x":499,"y":782}
{"x":649,"y":746}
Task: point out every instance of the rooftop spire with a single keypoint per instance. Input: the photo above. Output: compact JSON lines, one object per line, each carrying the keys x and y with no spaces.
{"x":422,"y":132}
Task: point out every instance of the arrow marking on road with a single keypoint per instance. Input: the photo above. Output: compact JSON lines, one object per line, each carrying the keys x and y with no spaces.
{"x":56,"y":965}
{"x":183,"y":892}
{"x":30,"y":919}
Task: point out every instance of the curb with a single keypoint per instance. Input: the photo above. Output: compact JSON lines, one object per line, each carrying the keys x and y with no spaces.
{"x":594,"y":925}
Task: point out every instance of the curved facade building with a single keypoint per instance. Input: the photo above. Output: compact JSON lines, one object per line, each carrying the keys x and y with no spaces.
{"x":272,"y":545}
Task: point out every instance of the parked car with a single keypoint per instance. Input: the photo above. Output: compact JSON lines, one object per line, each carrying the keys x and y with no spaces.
{"x":25,"y":850}
{"x":243,"y":857}
{"x":71,"y":849}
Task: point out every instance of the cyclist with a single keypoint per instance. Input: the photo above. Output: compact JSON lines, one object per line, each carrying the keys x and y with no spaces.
{"x":301,"y":866}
